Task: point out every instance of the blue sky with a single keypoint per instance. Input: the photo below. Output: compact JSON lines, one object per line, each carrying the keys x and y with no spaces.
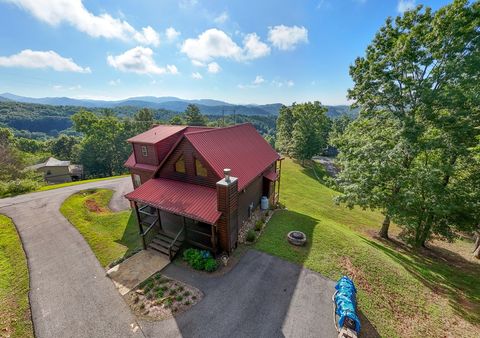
{"x":239,"y":51}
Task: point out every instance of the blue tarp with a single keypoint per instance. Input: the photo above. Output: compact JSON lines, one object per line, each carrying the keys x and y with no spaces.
{"x":345,"y":300}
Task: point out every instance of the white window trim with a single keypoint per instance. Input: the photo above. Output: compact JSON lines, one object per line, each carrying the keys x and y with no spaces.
{"x":144,"y":151}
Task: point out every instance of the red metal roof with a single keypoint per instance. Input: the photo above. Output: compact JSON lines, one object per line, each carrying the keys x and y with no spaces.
{"x":130,"y":163}
{"x":185,"y":199}
{"x":240,"y":148}
{"x":156,"y":134}
{"x":272,"y":175}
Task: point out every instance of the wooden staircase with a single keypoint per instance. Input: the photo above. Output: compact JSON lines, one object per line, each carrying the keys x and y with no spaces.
{"x":166,"y":244}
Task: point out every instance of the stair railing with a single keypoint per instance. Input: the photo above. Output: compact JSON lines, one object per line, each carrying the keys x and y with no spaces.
{"x":170,"y":254}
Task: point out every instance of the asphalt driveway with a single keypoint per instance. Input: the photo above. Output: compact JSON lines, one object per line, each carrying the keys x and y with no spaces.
{"x":263,"y":296}
{"x":70,"y":296}
{"x":69,"y":293}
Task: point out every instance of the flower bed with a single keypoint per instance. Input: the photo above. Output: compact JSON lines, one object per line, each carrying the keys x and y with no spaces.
{"x":159,"y":297}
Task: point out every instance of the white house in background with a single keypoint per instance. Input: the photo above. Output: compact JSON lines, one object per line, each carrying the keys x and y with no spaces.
{"x":56,"y":171}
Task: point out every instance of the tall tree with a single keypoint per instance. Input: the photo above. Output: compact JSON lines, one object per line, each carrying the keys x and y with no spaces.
{"x":63,"y":147}
{"x":424,"y":70}
{"x":193,"y":116}
{"x":285,"y":123}
{"x":310,"y":130}
{"x":143,"y":120}
{"x":104,"y":148}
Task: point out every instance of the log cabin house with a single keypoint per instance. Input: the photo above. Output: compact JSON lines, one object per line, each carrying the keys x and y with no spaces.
{"x":197,"y":185}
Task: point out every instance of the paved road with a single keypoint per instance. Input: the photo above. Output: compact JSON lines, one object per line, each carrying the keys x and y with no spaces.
{"x":69,"y":293}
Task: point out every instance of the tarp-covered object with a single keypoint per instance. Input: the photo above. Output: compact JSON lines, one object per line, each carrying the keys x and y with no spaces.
{"x":345,"y":301}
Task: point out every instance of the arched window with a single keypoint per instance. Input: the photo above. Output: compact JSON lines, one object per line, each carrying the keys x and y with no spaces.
{"x":200,"y":169}
{"x":180,"y":165}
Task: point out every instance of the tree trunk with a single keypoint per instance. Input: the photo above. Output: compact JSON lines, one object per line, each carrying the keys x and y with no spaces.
{"x":476,"y":249}
{"x":383,"y":233}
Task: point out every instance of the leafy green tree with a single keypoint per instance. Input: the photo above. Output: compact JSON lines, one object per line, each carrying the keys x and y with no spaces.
{"x":310,"y":130}
{"x":177,"y":120}
{"x":143,"y":119}
{"x":64,"y":147}
{"x":104,"y":148}
{"x":193,"y":116}
{"x":285,"y":123}
{"x":424,"y":71}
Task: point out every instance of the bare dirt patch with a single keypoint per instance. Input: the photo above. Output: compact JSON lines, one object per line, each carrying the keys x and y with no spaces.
{"x":159,"y":298}
{"x":93,"y":206}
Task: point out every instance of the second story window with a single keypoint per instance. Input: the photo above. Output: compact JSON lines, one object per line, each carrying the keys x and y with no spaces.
{"x":144,"y":151}
{"x":180,"y":165}
{"x":200,"y":169}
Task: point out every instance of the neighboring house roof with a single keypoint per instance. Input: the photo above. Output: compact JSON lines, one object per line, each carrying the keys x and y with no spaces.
{"x":272,"y":175}
{"x":51,"y":162}
{"x":156,"y":134}
{"x":240,"y":148}
{"x":185,"y":199}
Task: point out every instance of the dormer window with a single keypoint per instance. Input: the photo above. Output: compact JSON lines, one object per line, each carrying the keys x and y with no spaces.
{"x":200,"y":169}
{"x":144,"y":151}
{"x":180,"y":165}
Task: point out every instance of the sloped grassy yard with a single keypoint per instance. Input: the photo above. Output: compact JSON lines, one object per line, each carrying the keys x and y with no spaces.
{"x":111,"y":235}
{"x":403,"y":293}
{"x":15,"y":319}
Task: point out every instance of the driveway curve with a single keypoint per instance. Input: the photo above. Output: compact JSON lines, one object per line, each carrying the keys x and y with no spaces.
{"x":70,"y":295}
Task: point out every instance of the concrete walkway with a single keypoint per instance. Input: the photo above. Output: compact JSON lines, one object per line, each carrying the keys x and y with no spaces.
{"x":136,"y":269}
{"x":70,"y":295}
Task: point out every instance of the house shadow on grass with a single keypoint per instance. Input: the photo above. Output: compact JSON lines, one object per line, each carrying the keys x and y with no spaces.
{"x":131,"y":237}
{"x":455,"y":278}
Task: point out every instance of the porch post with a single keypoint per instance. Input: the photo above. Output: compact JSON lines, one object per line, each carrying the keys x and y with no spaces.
{"x":159,"y":219}
{"x":184,"y":227}
{"x":140,"y":227}
{"x":279,"y":177}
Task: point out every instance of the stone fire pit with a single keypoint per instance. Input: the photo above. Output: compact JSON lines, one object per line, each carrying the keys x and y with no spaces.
{"x":296,"y":238}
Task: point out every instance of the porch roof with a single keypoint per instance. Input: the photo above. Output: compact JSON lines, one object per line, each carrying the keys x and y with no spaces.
{"x":185,"y":199}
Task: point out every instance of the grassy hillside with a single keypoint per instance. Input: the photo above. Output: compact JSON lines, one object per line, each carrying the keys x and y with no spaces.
{"x":15,"y":319}
{"x":110,"y":235}
{"x":433,"y":293}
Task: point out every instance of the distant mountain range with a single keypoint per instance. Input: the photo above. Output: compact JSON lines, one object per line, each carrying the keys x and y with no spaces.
{"x":175,"y":104}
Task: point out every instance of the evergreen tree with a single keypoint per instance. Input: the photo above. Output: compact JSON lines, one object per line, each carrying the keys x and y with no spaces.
{"x":193,"y":116}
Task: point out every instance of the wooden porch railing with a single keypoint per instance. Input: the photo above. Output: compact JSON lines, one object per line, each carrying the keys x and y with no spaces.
{"x":170,"y":254}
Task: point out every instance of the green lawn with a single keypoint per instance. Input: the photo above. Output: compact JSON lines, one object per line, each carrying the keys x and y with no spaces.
{"x":15,"y":319}
{"x":69,"y":184}
{"x":402,"y":293}
{"x":110,"y":235}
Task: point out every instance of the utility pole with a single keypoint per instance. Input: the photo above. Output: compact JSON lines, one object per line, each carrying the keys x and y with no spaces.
{"x":234,"y":117}
{"x":223,"y":117}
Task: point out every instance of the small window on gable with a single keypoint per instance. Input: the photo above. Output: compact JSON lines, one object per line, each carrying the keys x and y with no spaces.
{"x":144,"y":151}
{"x":180,"y":165}
{"x":200,"y":169}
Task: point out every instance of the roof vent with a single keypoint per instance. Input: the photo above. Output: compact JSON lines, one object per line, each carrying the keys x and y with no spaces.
{"x":227,"y":171}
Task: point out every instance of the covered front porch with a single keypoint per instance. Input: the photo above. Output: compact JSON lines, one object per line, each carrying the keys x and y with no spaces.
{"x":170,"y":213}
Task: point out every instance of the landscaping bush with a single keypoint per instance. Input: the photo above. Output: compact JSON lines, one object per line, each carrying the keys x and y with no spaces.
{"x":258,"y":225}
{"x":211,"y":265}
{"x":250,"y":236}
{"x":200,"y":259}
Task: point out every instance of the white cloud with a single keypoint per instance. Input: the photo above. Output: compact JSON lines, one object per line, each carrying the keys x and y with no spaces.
{"x":114,"y":82}
{"x":197,"y":76}
{"x":254,"y":48}
{"x":213,"y":67}
{"x":187,"y":3}
{"x":405,"y":5}
{"x":139,"y":60}
{"x":197,"y":63}
{"x":258,"y":80}
{"x":37,"y":59}
{"x":214,"y":43}
{"x":74,"y":12}
{"x":287,"y":38}
{"x":280,"y":84}
{"x":171,"y":33}
{"x":221,"y":18}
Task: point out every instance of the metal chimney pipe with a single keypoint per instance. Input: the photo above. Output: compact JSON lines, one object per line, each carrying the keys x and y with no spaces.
{"x":226,"y":172}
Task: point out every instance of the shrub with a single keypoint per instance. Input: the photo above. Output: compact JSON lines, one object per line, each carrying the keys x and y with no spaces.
{"x":258,"y":225}
{"x":157,"y":276}
{"x":186,"y":293}
{"x":181,"y":288}
{"x":187,"y":302}
{"x":211,"y":265}
{"x":173,"y":292}
{"x":250,"y":236}
{"x":179,"y":298}
{"x":159,"y":294}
